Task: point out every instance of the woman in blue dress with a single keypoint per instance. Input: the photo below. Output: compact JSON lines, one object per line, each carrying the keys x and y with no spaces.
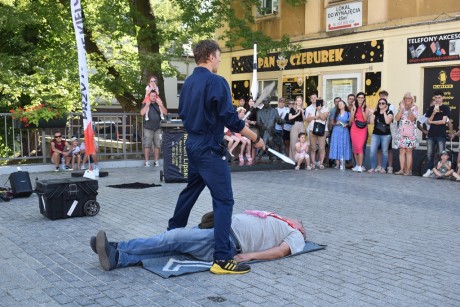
{"x":340,"y":138}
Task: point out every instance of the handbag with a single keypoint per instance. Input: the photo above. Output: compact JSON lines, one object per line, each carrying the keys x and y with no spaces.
{"x":382,"y":127}
{"x":318,"y":128}
{"x":360,"y":124}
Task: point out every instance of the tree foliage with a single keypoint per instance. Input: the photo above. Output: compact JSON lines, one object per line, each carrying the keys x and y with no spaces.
{"x":126,"y":41}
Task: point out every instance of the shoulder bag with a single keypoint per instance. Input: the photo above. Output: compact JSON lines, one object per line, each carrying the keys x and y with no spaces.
{"x":318,"y":128}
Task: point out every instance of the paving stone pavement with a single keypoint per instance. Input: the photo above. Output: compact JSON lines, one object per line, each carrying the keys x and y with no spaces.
{"x":391,"y":241}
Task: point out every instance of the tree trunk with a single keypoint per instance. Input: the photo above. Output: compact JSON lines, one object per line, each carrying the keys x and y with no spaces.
{"x":148,"y":42}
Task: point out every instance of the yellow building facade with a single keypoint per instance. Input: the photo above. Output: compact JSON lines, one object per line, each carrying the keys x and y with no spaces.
{"x":352,"y":46}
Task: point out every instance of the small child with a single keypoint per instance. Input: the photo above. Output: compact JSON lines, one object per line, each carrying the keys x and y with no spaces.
{"x":75,"y":153}
{"x":301,"y":152}
{"x":245,"y":142}
{"x":444,"y":167}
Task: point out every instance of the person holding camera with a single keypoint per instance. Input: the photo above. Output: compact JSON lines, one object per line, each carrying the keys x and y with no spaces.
{"x":437,"y":116}
{"x":358,"y":131}
{"x":317,"y":112}
{"x":381,"y":119}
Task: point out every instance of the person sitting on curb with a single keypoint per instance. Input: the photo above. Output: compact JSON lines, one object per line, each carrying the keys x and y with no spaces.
{"x":60,"y":149}
{"x":254,"y":235}
{"x":443,"y":168}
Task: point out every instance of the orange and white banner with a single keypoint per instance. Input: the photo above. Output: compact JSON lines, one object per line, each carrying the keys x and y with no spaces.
{"x":77,"y":19}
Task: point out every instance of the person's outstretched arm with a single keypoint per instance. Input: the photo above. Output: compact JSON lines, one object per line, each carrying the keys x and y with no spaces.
{"x":280,"y":251}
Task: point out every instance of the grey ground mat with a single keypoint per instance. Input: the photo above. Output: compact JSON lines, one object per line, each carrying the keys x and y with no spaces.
{"x":134,"y":185}
{"x":176,"y":265}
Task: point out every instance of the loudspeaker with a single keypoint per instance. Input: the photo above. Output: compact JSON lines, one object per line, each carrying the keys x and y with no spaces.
{"x":20,"y":184}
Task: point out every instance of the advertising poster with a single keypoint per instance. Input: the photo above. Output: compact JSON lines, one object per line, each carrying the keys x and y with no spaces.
{"x":447,"y":80}
{"x":433,"y":48}
{"x":344,"y":16}
{"x":240,"y":89}
{"x":293,"y":87}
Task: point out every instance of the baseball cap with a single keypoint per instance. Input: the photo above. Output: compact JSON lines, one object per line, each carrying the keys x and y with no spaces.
{"x":443,"y":152}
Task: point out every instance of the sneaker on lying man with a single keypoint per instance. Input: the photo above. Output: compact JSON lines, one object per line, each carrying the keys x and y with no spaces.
{"x":229,"y":267}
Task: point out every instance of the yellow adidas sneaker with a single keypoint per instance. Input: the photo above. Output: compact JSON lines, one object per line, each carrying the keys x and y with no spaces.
{"x":229,"y":267}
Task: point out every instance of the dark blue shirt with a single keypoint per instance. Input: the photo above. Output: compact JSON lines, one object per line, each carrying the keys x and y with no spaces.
{"x":205,"y":107}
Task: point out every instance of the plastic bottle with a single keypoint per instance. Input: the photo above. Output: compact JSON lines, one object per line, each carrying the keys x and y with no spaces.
{"x":62,"y":163}
{"x":342,"y":164}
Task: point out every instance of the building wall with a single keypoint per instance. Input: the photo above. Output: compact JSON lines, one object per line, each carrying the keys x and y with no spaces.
{"x":392,"y":21}
{"x":185,"y":67}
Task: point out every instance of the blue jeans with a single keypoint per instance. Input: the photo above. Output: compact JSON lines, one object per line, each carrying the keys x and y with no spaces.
{"x":377,"y":140}
{"x":195,"y":242}
{"x":208,"y":168}
{"x":430,"y":144}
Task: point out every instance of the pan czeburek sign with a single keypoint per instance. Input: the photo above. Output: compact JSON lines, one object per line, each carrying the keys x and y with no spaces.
{"x":347,"y":54}
{"x":433,"y":48}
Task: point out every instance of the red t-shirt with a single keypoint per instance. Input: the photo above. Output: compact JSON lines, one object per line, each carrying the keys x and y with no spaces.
{"x":58,"y":145}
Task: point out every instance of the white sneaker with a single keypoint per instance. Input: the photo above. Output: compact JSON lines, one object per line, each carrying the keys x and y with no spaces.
{"x":428,"y":173}
{"x":147,"y":164}
{"x":363,"y":169}
{"x":83,"y":167}
{"x":360,"y":169}
{"x":355,"y":169}
{"x":156,"y":163}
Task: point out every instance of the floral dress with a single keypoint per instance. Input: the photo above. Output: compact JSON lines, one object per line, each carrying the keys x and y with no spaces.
{"x":407,"y":130}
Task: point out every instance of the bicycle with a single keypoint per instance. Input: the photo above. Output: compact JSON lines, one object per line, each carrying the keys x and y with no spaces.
{"x":452,"y":156}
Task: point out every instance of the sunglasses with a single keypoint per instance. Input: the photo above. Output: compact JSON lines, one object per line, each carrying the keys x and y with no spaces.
{"x":58,"y":136}
{"x":382,"y":103}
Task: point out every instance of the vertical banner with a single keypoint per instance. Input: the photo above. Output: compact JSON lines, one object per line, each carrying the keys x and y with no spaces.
{"x":255,"y":83}
{"x":77,"y":20}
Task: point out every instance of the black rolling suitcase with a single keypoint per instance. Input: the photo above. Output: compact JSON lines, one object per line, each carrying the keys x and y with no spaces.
{"x":67,"y":197}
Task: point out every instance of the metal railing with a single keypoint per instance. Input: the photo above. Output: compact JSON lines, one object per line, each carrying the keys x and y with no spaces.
{"x":119,"y":136}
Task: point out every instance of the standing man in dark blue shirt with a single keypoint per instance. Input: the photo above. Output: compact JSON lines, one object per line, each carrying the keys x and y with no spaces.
{"x":438,"y":115}
{"x":205,"y":107}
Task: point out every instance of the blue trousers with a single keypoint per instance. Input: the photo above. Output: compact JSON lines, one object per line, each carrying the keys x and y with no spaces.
{"x":208,"y":168}
{"x":377,"y":140}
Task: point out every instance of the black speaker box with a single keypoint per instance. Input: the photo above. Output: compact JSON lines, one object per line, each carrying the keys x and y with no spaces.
{"x":20,"y":184}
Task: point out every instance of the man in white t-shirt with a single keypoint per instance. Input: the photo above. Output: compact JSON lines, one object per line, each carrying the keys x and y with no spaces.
{"x":254,"y":235}
{"x":317,"y":112}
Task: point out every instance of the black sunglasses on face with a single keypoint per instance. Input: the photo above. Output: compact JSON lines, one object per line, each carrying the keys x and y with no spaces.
{"x":58,"y":136}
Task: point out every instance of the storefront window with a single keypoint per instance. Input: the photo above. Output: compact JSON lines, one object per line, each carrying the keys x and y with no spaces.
{"x":340,"y":86}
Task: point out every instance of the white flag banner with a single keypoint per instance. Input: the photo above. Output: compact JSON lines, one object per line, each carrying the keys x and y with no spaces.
{"x":77,"y":19}
{"x":255,"y":83}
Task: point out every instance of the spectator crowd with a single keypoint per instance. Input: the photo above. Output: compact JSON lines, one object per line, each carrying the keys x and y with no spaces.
{"x":316,"y":137}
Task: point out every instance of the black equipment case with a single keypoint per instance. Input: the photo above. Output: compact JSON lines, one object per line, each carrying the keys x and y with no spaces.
{"x":175,"y":160}
{"x":67,"y":197}
{"x":20,"y":184}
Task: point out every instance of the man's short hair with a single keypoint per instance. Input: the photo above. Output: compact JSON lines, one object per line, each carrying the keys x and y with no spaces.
{"x":281,"y":99}
{"x":438,"y":93}
{"x":351,"y":95}
{"x":203,"y":49}
{"x":313,"y":93}
{"x":384,"y":93}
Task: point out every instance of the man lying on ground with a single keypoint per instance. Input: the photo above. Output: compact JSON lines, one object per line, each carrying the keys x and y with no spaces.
{"x":255,"y":235}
